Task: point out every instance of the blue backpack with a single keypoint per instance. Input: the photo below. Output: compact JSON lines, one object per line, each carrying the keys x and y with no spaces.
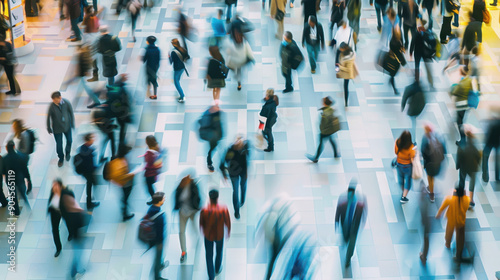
{"x":473,"y":99}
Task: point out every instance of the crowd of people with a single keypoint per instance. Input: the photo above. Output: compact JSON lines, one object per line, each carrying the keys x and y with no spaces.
{"x":230,"y":52}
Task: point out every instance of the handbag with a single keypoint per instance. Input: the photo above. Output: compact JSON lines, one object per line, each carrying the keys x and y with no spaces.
{"x":486,"y":16}
{"x":280,"y":15}
{"x":416,"y":171}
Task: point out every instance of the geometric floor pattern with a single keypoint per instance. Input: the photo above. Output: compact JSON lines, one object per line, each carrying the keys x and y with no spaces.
{"x":389,"y":244}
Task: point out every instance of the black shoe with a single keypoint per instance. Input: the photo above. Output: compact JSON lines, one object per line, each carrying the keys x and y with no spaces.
{"x":218,"y":272}
{"x":210,"y":167}
{"x":68,"y":157}
{"x":126,"y":218}
{"x":269,"y":150}
{"x":404,"y":200}
{"x":486,"y":177}
{"x":379,"y":28}
{"x":312,"y":158}
{"x":93,"y":105}
{"x":444,"y":42}
{"x":493,"y":4}
{"x":237,"y":216}
{"x":10,"y":92}
{"x":60,"y":163}
{"x":58,"y":252}
{"x":286,"y":90}
{"x":92,"y":205}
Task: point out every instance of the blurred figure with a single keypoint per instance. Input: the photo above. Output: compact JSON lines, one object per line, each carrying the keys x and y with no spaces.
{"x":215,"y":78}
{"x":329,"y":125}
{"x":119,"y":105}
{"x":213,"y":219}
{"x":8,"y":61}
{"x":154,"y":162}
{"x":188,"y":203}
{"x":54,"y":210}
{"x":120,"y":175}
{"x":211,"y":131}
{"x":433,"y":151}
{"x":380,"y":9}
{"x":185,"y":30}
{"x":288,"y":53}
{"x":391,"y":20}
{"x":425,"y":207}
{"x":457,"y":205}
{"x":472,"y":35}
{"x":268,"y":116}
{"x":405,"y":152}
{"x":448,"y":9}
{"x":177,"y":58}
{"x":229,"y":4}
{"x":160,"y":226}
{"x":428,"y":5}
{"x":415,"y":98}
{"x":23,"y":137}
{"x":454,"y":51}
{"x":105,"y":124}
{"x":16,"y":165}
{"x":85,"y":166}
{"x":134,"y":8}
{"x":236,"y":158}
{"x":396,"y":56}
{"x":75,"y":10}
{"x":354,"y":14}
{"x":4,"y":25}
{"x":218,"y":27}
{"x":108,"y":46}
{"x":336,"y":16}
{"x":277,"y":11}
{"x":152,"y":58}
{"x":91,"y":23}
{"x":461,"y":92}
{"x":350,"y":214}
{"x":478,"y":10}
{"x":344,"y":35}
{"x":423,"y":44}
{"x":347,"y":68}
{"x":239,"y":53}
{"x":468,"y":161}
{"x":492,"y":141}
{"x":314,"y":38}
{"x":61,"y":120}
{"x":474,"y":68}
{"x":409,"y":14}
{"x":309,"y":8}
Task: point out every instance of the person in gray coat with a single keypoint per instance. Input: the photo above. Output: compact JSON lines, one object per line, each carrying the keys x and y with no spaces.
{"x":60,"y":120}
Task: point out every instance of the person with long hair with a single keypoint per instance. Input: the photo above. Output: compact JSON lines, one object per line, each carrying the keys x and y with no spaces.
{"x":268,"y":117}
{"x":239,"y":53}
{"x":215,"y":79}
{"x":21,"y":137}
{"x":457,"y":205}
{"x":177,"y":57}
{"x":154,"y":162}
{"x":347,"y":69}
{"x":405,"y":153}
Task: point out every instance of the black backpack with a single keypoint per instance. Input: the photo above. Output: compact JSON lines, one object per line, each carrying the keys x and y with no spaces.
{"x":296,"y":58}
{"x":78,"y":163}
{"x":32,"y":139}
{"x":206,"y":129}
{"x":430,"y":43}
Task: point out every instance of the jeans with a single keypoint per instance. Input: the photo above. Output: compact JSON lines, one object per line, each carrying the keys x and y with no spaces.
{"x":288,"y":78}
{"x":428,"y":69}
{"x":404,"y":175}
{"x":455,"y":20}
{"x":380,"y":11}
{"x":346,"y":91}
{"x":76,"y":29}
{"x":240,"y":180}
{"x":312,"y":52}
{"x":55,"y":220}
{"x":462,"y":176}
{"x":158,"y":260}
{"x":90,"y":92}
{"x":213,"y":145}
{"x":90,"y":182}
{"x":229,"y":13}
{"x":460,"y":122}
{"x":268,"y":133}
{"x":149,"y":183}
{"x":177,"y":82}
{"x":445,"y":28}
{"x":486,"y":155}
{"x":209,"y":254}
{"x":182,"y":229}
{"x":323,"y":137}
{"x":429,"y":13}
{"x":59,"y":148}
{"x":76,"y":265}
{"x":108,"y":137}
{"x":406,"y":29}
{"x":127,"y":189}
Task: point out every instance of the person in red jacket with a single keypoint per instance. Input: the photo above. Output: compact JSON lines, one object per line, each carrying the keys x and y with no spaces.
{"x":154,"y":162}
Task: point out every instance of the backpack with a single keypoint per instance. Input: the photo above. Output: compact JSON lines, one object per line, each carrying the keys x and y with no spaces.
{"x":296,"y":58}
{"x":206,"y":129}
{"x":77,"y":162}
{"x":473,"y":99}
{"x":430,"y":43}
{"x":435,"y":151}
{"x":32,"y":139}
{"x":147,"y":232}
{"x":105,"y":171}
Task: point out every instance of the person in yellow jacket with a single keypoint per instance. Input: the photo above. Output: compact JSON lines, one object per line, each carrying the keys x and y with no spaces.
{"x":457,"y":205}
{"x":120,"y":175}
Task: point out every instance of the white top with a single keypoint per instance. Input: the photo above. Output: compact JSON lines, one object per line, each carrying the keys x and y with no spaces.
{"x":313,"y":35}
{"x":54,"y":203}
{"x":185,"y":198}
{"x":343,"y":35}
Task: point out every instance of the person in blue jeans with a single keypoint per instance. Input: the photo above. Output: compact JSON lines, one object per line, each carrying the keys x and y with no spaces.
{"x":380,"y":9}
{"x":313,"y":38}
{"x":177,"y":58}
{"x":61,"y":120}
{"x":229,"y":13}
{"x":405,"y":153}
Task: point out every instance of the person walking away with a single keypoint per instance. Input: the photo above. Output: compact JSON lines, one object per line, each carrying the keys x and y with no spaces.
{"x":188,"y":203}
{"x":354,"y":14}
{"x":433,"y":151}
{"x":380,"y":9}
{"x":75,"y":11}
{"x":177,"y":58}
{"x":134,"y":8}
{"x":108,"y":46}
{"x":336,"y":16}
{"x":229,"y":5}
{"x":211,"y":131}
{"x":290,"y":54}
{"x":236,"y":159}
{"x":268,"y":116}
{"x":468,"y":161}
{"x":347,"y":68}
{"x":239,"y":53}
{"x":61,"y":120}
{"x":423,"y":44}
{"x":8,"y":61}
{"x":470,"y":38}
{"x":218,"y":28}
{"x":309,"y":8}
{"x":456,"y":206}
{"x":154,"y":163}
{"x":409,"y":15}
{"x":461,"y":92}
{"x":415,"y":98}
{"x":405,"y":152}
{"x":16,"y":165}
{"x":213,"y":219}
{"x":152,"y":58}
{"x":184,"y":30}
{"x":54,"y":211}
{"x":396,"y":56}
{"x":314,"y":38}
{"x":105,"y":124}
{"x":119,"y":105}
{"x":350,"y":215}
{"x":448,"y":9}
{"x":84,"y":163}
{"x":492,"y":141}
{"x":120,"y":175}
{"x":277,"y":12}
{"x":215,"y":77}
{"x":478,"y":10}
{"x":160,"y":226}
{"x":391,"y":21}
{"x":328,"y":126}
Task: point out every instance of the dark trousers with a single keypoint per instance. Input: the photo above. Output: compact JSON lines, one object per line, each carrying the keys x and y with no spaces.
{"x":268,"y":134}
{"x":239,"y":184}
{"x":393,"y":84}
{"x":486,"y":155}
{"x":380,"y":11}
{"x":158,"y":260}
{"x":90,"y":182}
{"x":95,"y":69}
{"x":209,"y":254}
{"x":408,"y":29}
{"x":445,"y":28}
{"x":59,"y":144}
{"x":149,"y":183}
{"x":322,"y":138}
{"x":76,"y":30}
{"x":350,"y":243}
{"x":123,"y":130}
{"x":460,"y":122}
{"x":9,"y":71}
{"x":133,"y":22}
{"x":472,"y":179}
{"x":108,"y":137}
{"x":127,"y":189}
{"x":288,"y":78}
{"x":346,"y":91}
{"x":213,"y":145}
{"x":429,"y":13}
{"x":55,"y":220}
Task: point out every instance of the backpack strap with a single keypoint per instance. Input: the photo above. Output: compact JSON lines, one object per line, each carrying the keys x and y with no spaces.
{"x":156,"y":216}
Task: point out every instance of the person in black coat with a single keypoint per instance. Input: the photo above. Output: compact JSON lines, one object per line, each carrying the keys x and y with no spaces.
{"x":61,"y":120}
{"x":85,"y":166}
{"x":409,"y":14}
{"x":492,"y":141}
{"x":397,"y":53}
{"x":159,"y":220}
{"x":15,"y":169}
{"x":7,"y":60}
{"x":236,"y":159}
{"x":211,"y":131}
{"x":53,"y":209}
{"x":152,"y":58}
{"x":309,"y":9}
{"x":421,"y":51}
{"x":415,"y":98}
{"x":268,"y":117}
{"x":337,"y":14}
{"x":313,"y":37}
{"x":472,"y":34}
{"x":108,"y":46}
{"x":119,"y":105}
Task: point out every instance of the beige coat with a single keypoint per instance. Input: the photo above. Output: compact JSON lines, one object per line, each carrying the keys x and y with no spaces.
{"x":347,"y":67}
{"x":277,"y":4}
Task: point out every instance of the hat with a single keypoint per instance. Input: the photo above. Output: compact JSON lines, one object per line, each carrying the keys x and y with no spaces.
{"x":156,"y":198}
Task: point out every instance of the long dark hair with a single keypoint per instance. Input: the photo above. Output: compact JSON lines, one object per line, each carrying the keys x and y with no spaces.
{"x":459,"y":192}
{"x":404,"y":141}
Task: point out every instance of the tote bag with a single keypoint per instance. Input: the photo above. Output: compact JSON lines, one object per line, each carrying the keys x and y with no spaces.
{"x":416,"y":172}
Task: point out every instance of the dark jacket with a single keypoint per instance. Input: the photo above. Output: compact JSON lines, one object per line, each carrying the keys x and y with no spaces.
{"x":320,"y":36}
{"x":414,"y":96}
{"x":159,"y":224}
{"x":309,"y":9}
{"x":429,"y":4}
{"x":468,"y":157}
{"x":396,"y":47}
{"x":152,"y":58}
{"x":341,"y":213}
{"x":433,"y":152}
{"x":353,"y":9}
{"x":418,"y":45}
{"x":214,"y":70}
{"x":269,"y":111}
{"x":409,"y":17}
{"x":286,"y":54}
{"x":492,"y":138}
{"x":108,"y":45}
{"x":60,"y":118}
{"x":16,"y":163}
{"x":119,"y":104}
{"x":213,"y":128}
{"x":7,"y":53}
{"x":235,"y":162}
{"x":87,"y":157}
{"x":176,"y":61}
{"x":477,"y":10}
{"x":195,"y":196}
{"x":337,"y":14}
{"x":326,"y":124}
{"x":470,"y":34}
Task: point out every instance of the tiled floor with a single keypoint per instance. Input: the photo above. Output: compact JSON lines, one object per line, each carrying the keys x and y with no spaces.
{"x":389,"y":244}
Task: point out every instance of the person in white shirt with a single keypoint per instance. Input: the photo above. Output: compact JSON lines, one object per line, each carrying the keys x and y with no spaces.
{"x":343,"y":35}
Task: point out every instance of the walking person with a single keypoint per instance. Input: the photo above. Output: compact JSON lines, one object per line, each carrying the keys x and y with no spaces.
{"x":288,"y":53}
{"x":423,"y":49}
{"x":314,"y":38}
{"x":492,"y":141}
{"x":188,"y":203}
{"x":152,"y":58}
{"x":75,"y":10}
{"x":268,"y":116}
{"x":235,"y":164}
{"x":456,"y":210}
{"x":277,"y":12}
{"x":405,"y":152}
{"x":119,"y":174}
{"x":15,"y":167}
{"x":134,"y":8}
{"x":84,"y":163}
{"x":229,"y":5}
{"x":211,"y":131}
{"x":396,"y":56}
{"x":309,"y":8}
{"x":105,"y":124}
{"x":470,"y":38}
{"x":433,"y":151}
{"x":154,"y":162}
{"x":185,"y":30}
{"x":8,"y":61}
{"x":414,"y":97}
{"x":177,"y":58}
{"x":336,"y":16}
{"x":54,"y":211}
{"x":409,"y":15}
{"x":350,"y":215}
{"x":23,"y":137}
{"x":380,"y":10}
{"x":119,"y":105}
{"x":344,"y":35}
{"x":461,"y":92}
{"x":215,"y":78}
{"x":328,"y":126}
{"x":214,"y":218}
{"x":108,"y":46}
{"x":391,"y":22}
{"x":160,"y":227}
{"x":448,"y":9}
{"x":61,"y":120}
{"x":468,"y":162}
{"x":218,"y":27}
{"x":347,"y":68}
{"x":354,"y":14}
{"x":238,"y":53}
